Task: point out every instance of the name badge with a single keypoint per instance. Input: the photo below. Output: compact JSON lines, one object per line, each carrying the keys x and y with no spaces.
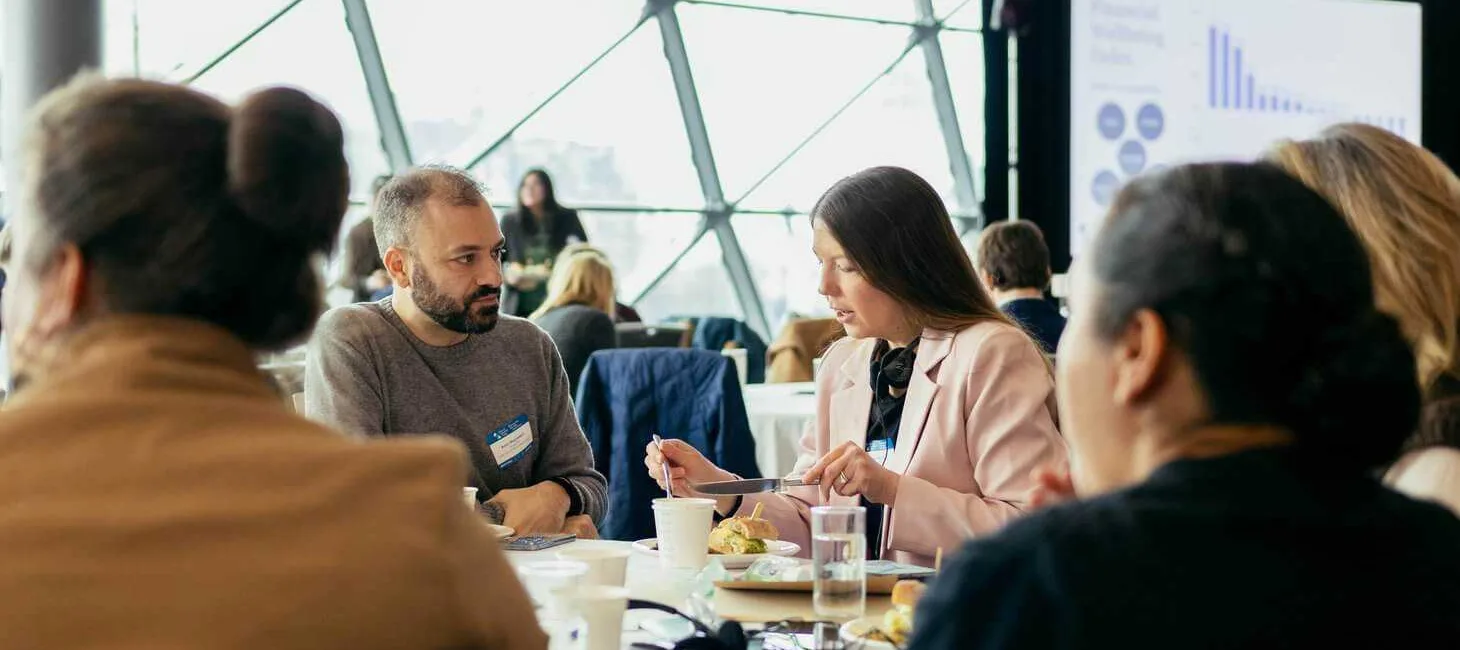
{"x":880,"y":449}
{"x":511,"y":441}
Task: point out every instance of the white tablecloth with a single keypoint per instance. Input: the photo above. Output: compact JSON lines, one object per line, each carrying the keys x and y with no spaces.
{"x":779,"y":414}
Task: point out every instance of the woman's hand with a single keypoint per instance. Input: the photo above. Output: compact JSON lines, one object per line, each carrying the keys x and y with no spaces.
{"x":1052,"y":485}
{"x":686,"y":465}
{"x":850,"y":471}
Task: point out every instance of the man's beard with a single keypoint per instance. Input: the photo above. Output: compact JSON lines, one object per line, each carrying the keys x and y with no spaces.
{"x":458,"y":316}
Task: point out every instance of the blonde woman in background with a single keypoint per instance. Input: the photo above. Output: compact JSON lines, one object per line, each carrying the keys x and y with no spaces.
{"x":1404,"y":203}
{"x":578,"y":310}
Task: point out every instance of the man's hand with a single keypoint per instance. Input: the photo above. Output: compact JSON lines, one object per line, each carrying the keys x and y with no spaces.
{"x":582,"y":526}
{"x":539,"y":509}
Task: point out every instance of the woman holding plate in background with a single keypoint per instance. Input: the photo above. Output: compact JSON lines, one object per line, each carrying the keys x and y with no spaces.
{"x":932,"y":413}
{"x":536,"y":232}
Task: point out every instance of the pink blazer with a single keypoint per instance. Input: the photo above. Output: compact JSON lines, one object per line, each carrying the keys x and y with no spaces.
{"x":979,"y":417}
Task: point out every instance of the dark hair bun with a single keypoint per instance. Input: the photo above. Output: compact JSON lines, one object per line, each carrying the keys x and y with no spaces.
{"x":286,"y":166}
{"x":1359,"y":402}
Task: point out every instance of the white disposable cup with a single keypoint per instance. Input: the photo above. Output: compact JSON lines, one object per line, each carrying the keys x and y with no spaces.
{"x":741,"y":357}
{"x":683,"y":527}
{"x":547,"y":581}
{"x":606,"y":566}
{"x":601,"y":609}
{"x":469,"y":496}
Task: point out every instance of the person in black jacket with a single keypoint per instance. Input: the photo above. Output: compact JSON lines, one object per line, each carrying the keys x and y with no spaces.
{"x":1013,"y":263}
{"x":536,"y":232}
{"x":578,"y":312}
{"x":1228,"y":390}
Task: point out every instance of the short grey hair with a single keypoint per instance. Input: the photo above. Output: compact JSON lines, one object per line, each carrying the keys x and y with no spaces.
{"x":398,"y":204}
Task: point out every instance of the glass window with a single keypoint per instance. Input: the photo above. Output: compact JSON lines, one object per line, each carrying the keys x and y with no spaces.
{"x":697,"y":286}
{"x":640,"y":244}
{"x":763,"y":95}
{"x":901,"y":10}
{"x":966,"y":14}
{"x":464,"y":71}
{"x":614,"y":137}
{"x":778,"y":249}
{"x":963,"y":56}
{"x":173,"y":39}
{"x":893,"y":124}
{"x":309,"y":48}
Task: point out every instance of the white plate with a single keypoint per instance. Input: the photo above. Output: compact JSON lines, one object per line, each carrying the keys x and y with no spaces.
{"x":854,"y":634}
{"x":773,"y":547}
{"x":501,"y":532}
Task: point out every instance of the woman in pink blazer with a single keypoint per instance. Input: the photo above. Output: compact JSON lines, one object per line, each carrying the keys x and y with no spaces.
{"x":934,"y":412}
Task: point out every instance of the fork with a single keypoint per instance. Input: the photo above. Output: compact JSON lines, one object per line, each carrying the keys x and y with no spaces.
{"x":668,"y":483}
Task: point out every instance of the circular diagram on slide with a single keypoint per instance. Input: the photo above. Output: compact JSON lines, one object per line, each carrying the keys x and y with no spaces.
{"x":1132,"y":157}
{"x":1150,"y":121}
{"x":1111,"y":121}
{"x":1106,"y":184}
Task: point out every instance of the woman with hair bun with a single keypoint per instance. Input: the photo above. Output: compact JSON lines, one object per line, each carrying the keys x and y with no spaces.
{"x":159,"y":493}
{"x":1228,"y":390}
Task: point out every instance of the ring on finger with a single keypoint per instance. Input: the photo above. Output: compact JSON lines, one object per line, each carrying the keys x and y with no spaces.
{"x":842,"y":479}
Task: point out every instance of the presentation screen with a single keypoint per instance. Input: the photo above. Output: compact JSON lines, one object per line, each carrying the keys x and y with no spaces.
{"x":1157,"y":82}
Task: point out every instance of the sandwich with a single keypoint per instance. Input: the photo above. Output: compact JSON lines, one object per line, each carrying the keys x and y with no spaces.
{"x":897,"y":623}
{"x":742,"y":535}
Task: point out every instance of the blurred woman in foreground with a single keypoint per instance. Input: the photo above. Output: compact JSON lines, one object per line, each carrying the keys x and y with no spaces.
{"x":160,"y":494}
{"x":1228,"y":390}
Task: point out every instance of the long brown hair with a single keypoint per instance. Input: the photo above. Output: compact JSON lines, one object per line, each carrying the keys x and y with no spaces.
{"x":1405,"y":206}
{"x":895,"y":228}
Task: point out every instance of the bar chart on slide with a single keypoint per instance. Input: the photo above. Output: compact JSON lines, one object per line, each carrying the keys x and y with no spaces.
{"x":1234,"y":84}
{"x":1156,"y":83}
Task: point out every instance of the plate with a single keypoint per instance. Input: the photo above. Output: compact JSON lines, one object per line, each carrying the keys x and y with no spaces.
{"x":854,"y":634}
{"x":876,"y":585}
{"x":501,"y":532}
{"x":773,"y":547}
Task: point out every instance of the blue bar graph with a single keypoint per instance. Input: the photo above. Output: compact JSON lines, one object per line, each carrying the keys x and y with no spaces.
{"x":1234,"y":84}
{"x":1212,"y":66}
{"x":1226,"y":71}
{"x":1237,"y":80}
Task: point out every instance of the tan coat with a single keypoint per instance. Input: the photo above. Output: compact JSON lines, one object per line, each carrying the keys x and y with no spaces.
{"x":155,"y":494}
{"x":800,"y":342}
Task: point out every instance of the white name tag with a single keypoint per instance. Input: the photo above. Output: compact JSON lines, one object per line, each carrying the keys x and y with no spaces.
{"x":510,"y":442}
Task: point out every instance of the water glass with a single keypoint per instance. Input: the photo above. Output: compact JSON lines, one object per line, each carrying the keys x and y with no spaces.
{"x":839,"y":562}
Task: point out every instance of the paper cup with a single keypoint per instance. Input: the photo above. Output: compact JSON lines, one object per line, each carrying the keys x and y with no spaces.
{"x":683,"y":527}
{"x":469,"y":496}
{"x":606,"y":566}
{"x":602,"y":610}
{"x":547,"y":581}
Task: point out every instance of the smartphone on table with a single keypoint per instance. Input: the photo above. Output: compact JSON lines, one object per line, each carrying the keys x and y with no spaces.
{"x":537,"y":542}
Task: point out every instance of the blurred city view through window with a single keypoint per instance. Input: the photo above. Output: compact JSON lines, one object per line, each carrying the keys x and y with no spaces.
{"x":795,"y":94}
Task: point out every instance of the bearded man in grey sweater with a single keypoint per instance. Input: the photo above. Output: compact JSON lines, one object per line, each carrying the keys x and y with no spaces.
{"x":436,"y":357}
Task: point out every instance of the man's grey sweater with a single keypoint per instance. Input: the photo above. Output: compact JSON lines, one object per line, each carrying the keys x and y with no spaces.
{"x":367,"y":374}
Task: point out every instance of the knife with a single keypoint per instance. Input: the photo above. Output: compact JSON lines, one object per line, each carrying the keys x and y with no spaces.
{"x":751,"y":486}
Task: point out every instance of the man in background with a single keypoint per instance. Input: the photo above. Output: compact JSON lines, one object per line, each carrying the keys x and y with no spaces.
{"x":1013,"y":263}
